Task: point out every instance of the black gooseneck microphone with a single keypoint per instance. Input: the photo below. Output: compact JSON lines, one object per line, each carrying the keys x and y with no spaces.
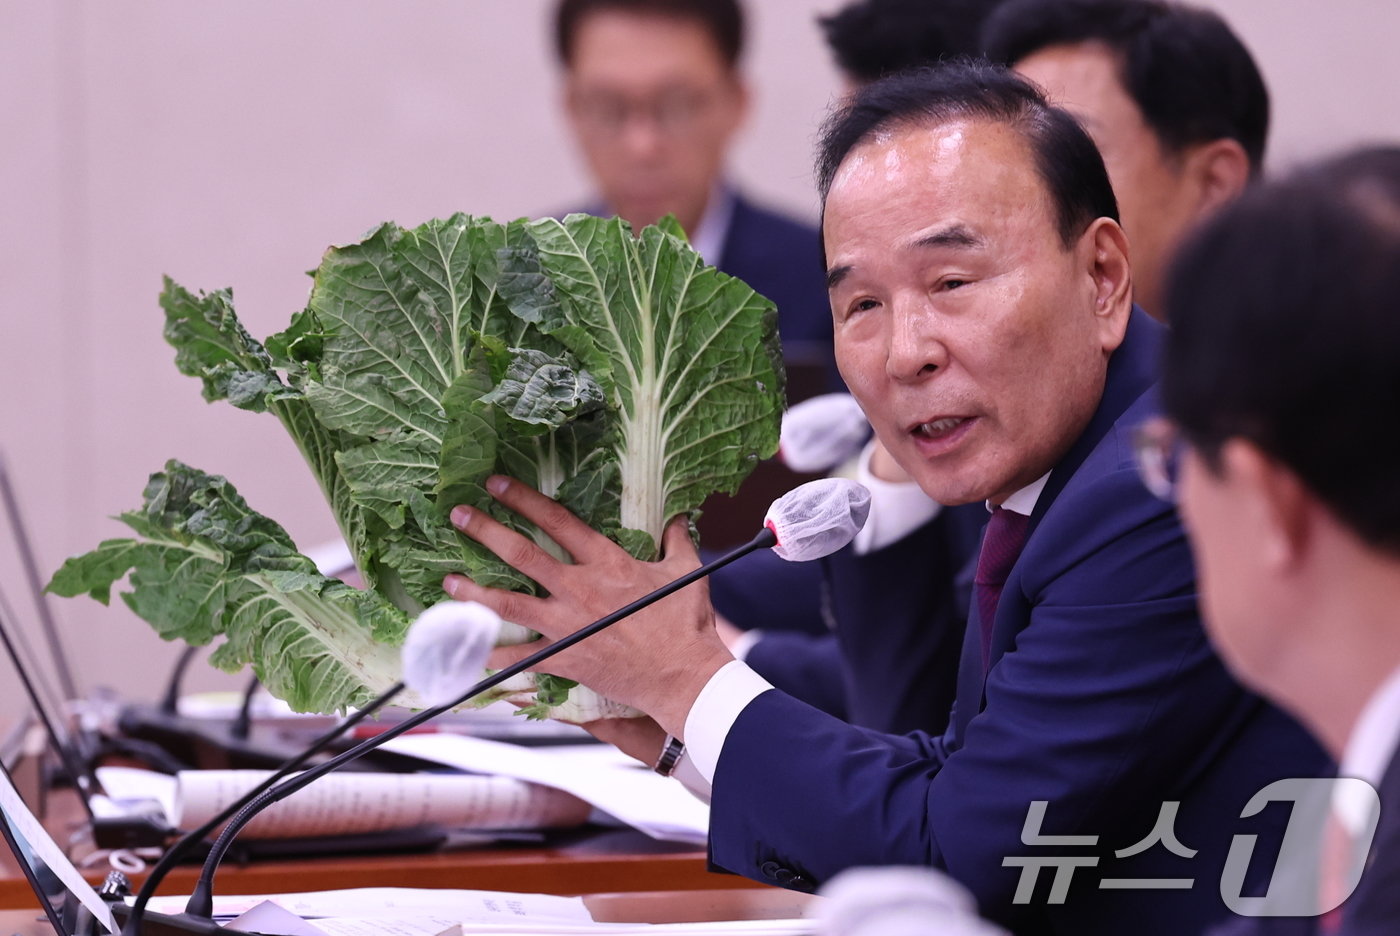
{"x":809,"y":522}
{"x":170,"y":702}
{"x":182,"y":847}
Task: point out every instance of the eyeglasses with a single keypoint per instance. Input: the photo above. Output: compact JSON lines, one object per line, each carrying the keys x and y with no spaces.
{"x":674,"y":113}
{"x":1158,"y":448}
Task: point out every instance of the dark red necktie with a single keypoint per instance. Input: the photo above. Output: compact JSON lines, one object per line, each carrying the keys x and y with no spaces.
{"x":1001,"y":544}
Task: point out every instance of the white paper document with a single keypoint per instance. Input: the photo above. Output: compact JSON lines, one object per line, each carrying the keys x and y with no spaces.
{"x":658,"y":806}
{"x":400,"y":911}
{"x":350,"y":803}
{"x":405,"y":903}
{"x":271,"y":918}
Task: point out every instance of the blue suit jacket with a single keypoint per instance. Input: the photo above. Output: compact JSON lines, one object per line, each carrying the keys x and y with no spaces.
{"x":1373,"y":909}
{"x":782,"y":260}
{"x":1103,"y":699}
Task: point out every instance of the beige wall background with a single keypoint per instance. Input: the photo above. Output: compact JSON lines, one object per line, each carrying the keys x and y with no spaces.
{"x":227,"y":144}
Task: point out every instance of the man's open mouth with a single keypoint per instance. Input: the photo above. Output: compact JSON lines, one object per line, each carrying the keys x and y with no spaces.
{"x":939,"y":428}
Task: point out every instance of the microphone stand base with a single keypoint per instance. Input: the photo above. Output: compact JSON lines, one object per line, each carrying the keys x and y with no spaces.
{"x":171,"y":924}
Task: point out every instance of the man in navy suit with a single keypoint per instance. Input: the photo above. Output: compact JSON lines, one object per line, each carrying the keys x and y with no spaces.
{"x":812,"y":636}
{"x":1179,"y":111}
{"x":1283,"y":380}
{"x":982,"y":300}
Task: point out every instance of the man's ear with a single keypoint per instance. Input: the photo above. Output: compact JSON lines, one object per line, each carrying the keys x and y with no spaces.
{"x":1219,"y":172}
{"x":1105,"y":258}
{"x":1279,"y":506}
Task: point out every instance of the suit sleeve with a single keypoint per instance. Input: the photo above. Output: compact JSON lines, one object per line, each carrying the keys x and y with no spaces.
{"x":1108,"y":697}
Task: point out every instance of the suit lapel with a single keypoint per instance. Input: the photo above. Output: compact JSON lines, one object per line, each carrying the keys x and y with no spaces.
{"x":1131,"y":372}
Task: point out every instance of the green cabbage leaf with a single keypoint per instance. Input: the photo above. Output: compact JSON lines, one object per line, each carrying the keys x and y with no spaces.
{"x":614,"y":372}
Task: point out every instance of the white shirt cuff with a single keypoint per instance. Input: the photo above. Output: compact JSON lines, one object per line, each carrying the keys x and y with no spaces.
{"x":687,"y":776}
{"x":728,"y":693}
{"x":896,"y":508}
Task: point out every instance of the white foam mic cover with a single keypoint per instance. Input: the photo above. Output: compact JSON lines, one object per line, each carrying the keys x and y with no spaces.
{"x":446,"y":649}
{"x":822,"y":432}
{"x":817,"y":518}
{"x":899,"y":902}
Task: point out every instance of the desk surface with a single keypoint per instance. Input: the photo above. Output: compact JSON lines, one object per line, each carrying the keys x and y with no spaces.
{"x":584,"y":863}
{"x":640,"y":907}
{"x":24,"y":923}
{"x":574,"y":862}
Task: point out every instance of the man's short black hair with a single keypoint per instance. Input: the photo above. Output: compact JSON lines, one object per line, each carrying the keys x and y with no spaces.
{"x":872,"y":38}
{"x":723,"y":19}
{"x":1285,"y":332}
{"x":1064,"y":155}
{"x":1188,"y":73}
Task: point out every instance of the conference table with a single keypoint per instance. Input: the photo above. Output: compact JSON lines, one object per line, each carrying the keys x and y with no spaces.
{"x":591,"y":860}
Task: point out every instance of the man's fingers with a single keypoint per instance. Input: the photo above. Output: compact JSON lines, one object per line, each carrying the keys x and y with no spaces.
{"x":676,"y":543}
{"x":578,"y":538}
{"x":525,"y":610}
{"x":517,"y":551}
{"x":501,"y":657}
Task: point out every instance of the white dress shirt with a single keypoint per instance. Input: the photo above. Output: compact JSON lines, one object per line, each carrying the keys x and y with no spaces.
{"x":1369,"y":751}
{"x":712,"y":231}
{"x":897,"y":508}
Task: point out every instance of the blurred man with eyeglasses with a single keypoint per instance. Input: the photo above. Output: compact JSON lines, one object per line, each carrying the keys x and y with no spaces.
{"x":654,"y":95}
{"x":1283,"y":382}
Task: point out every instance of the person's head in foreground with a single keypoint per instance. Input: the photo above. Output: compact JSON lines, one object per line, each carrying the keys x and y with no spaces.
{"x":1283,"y":377}
{"x":870,"y":39}
{"x":978,"y":277}
{"x":653,"y":94}
{"x":1168,"y":92}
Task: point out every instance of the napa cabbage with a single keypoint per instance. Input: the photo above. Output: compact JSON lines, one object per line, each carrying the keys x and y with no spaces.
{"x":612,"y":371}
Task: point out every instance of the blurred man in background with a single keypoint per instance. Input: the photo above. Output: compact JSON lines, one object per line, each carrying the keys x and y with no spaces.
{"x":1283,"y":376}
{"x":1171,"y":97}
{"x":653,"y":93}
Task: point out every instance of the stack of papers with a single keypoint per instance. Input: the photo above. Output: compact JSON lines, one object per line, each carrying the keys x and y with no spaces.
{"x":597,"y":774}
{"x":515,"y":787}
{"x":396,"y":911}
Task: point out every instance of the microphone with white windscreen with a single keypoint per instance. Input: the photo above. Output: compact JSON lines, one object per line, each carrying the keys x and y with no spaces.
{"x":817,"y":519}
{"x":822,"y":432}
{"x":446,"y":649}
{"x":899,"y":901}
